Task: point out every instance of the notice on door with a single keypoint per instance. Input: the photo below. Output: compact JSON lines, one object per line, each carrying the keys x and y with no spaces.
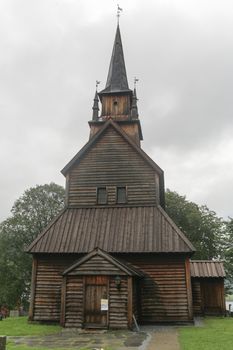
{"x":104,"y":304}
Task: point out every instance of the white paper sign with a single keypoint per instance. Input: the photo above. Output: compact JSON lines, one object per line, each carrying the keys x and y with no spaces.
{"x":104,"y":304}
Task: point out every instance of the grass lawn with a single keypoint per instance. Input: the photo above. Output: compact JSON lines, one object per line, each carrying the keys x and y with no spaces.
{"x":17,"y":326}
{"x":216,"y":335}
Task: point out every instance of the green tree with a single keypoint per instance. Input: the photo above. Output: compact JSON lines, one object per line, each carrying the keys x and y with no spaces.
{"x":201,"y":225}
{"x":30,"y":215}
{"x":229,"y":254}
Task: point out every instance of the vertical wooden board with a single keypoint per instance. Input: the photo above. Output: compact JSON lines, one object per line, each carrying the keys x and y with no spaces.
{"x":223,"y":299}
{"x":130,"y":302}
{"x":63,"y":302}
{"x":189,"y":288}
{"x":96,"y":289}
{"x":33,"y":288}
{"x":212,"y":294}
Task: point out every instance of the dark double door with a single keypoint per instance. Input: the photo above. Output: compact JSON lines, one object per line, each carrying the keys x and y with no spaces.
{"x":96,"y":302}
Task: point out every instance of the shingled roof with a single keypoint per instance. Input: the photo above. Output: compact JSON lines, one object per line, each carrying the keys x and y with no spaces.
{"x":207,"y":268}
{"x":146,"y":229}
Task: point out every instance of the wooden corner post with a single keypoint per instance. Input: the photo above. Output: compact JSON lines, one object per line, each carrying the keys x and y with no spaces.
{"x":63,"y":302}
{"x":189,"y":288}
{"x":33,"y":289}
{"x":130,"y":302}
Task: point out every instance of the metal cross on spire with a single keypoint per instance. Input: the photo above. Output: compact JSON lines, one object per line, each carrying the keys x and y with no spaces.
{"x":119,"y":10}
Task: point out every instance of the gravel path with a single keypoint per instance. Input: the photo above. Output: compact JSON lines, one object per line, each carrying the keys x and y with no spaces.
{"x":160,"y":338}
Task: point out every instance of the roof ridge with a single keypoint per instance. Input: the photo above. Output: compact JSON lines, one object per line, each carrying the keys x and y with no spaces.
{"x":96,"y":137}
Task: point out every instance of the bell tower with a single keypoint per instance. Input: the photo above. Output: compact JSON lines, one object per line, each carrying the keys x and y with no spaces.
{"x":118,"y":102}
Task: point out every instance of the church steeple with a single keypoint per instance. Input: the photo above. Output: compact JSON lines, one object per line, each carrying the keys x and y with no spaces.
{"x":118,"y":102}
{"x":116,"y":98}
{"x":117,"y":77}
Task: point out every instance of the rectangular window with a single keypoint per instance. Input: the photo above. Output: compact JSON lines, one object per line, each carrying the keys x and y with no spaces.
{"x":121,"y":195}
{"x":101,"y":195}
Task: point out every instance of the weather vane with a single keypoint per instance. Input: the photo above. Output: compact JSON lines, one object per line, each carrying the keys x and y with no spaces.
{"x":119,"y":10}
{"x":135,"y":82}
{"x":97,"y":83}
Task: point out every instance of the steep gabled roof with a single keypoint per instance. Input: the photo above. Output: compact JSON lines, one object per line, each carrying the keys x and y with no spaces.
{"x":207,"y":268}
{"x":118,"y":267}
{"x":139,"y":229}
{"x":97,"y":136}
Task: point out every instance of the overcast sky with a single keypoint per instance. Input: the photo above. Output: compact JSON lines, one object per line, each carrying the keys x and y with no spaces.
{"x":52,"y":52}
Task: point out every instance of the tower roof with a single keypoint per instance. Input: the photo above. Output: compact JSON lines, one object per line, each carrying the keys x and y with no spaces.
{"x":117,"y":77}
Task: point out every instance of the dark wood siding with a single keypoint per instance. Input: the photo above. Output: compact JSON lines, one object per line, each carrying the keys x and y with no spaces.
{"x":212,"y":294}
{"x":48,"y":281}
{"x":74,"y":301}
{"x":97,"y":266}
{"x":112,"y":162}
{"x":116,"y":106}
{"x":208,"y":296}
{"x":164,"y":295}
{"x":196,"y":292}
{"x":118,"y":303}
{"x":96,"y":289}
{"x":136,"y":298}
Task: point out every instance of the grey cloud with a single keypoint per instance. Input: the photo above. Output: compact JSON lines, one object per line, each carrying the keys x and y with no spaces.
{"x":53,"y":51}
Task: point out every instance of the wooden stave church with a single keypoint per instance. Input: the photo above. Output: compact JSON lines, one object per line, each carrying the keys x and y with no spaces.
{"x":113,"y":252}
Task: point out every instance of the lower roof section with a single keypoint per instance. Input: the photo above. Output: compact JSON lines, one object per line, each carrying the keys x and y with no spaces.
{"x":146,"y":229}
{"x":207,"y":268}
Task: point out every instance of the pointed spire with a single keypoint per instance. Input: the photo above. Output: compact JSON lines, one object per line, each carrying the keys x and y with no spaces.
{"x":134,"y":108}
{"x":117,"y":78}
{"x":95,"y":107}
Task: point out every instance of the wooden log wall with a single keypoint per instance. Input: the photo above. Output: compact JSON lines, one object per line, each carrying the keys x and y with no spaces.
{"x":47,"y":287}
{"x":163,"y":291}
{"x":112,"y":162}
{"x":74,"y":302}
{"x":97,"y":265}
{"x":136,"y":298}
{"x":118,"y":303}
{"x":164,"y":295}
{"x":196,"y":293}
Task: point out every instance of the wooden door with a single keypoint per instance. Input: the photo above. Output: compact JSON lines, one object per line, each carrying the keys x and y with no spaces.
{"x":96,"y":302}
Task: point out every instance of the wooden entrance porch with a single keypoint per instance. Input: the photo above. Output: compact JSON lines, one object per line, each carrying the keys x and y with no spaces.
{"x":98,"y":292}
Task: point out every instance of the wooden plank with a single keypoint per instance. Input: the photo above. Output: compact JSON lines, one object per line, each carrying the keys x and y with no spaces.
{"x":63,"y":301}
{"x":189,"y":288}
{"x":130,"y":302}
{"x":33,"y":288}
